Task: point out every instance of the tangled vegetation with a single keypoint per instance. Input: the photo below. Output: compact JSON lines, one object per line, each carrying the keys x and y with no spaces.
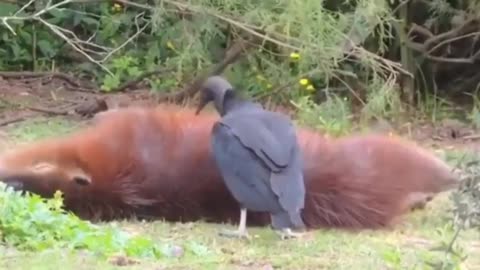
{"x":316,"y":50}
{"x":377,"y":57}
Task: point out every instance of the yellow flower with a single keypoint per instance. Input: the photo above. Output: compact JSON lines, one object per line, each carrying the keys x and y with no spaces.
{"x":310,"y":88}
{"x":117,"y":7}
{"x":295,"y":55}
{"x":269,"y":86}
{"x":170,"y":45}
{"x":303,"y":81}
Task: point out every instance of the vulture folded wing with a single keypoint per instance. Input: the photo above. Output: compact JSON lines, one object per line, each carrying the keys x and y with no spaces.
{"x":270,"y":138}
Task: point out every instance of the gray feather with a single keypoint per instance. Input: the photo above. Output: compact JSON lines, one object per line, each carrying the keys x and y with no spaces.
{"x":272,"y":140}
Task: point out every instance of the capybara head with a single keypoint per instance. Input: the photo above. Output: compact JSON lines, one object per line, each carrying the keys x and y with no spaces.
{"x":40,"y":173}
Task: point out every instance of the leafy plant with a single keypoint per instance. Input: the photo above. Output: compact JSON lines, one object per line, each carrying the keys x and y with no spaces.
{"x":465,"y":214}
{"x":29,"y":222}
{"x":332,"y":116}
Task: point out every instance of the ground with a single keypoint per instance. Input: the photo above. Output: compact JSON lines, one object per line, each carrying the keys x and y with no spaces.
{"x":407,"y":246}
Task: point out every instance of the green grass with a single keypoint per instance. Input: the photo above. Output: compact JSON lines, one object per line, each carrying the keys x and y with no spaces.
{"x":408,"y":246}
{"x":37,"y":128}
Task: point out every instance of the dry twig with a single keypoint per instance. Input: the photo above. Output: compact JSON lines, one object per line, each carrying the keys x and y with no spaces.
{"x":68,"y":36}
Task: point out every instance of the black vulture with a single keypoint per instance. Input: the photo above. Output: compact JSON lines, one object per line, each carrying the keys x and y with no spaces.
{"x":259,"y":158}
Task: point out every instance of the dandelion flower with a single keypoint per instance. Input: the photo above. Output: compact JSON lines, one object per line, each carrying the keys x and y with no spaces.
{"x":170,"y":45}
{"x":117,"y":7}
{"x":310,"y":88}
{"x":303,"y":81}
{"x":269,"y":86}
{"x":295,"y":55}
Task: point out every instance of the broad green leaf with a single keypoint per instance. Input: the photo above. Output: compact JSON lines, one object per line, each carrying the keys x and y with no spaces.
{"x":90,"y":21}
{"x":7,"y":9}
{"x":46,"y":48}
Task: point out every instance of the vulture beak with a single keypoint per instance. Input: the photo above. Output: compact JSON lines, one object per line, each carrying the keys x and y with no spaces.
{"x":201,"y":106}
{"x":204,"y":100}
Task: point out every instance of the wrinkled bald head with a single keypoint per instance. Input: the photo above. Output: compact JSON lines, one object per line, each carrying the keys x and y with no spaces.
{"x":214,"y":89}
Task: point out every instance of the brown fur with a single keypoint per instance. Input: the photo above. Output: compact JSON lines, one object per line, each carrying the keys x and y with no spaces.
{"x":157,"y":163}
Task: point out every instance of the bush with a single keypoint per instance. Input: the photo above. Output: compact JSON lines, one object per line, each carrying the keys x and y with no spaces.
{"x":28,"y":222}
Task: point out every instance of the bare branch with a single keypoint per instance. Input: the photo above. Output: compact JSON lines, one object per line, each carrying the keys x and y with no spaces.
{"x":434,"y":42}
{"x":420,"y":29}
{"x":450,"y":40}
{"x":70,"y":37}
{"x":450,"y":34}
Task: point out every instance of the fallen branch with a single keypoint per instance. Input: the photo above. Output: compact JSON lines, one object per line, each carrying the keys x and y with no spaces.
{"x":46,"y":110}
{"x":27,"y":74}
{"x":12,"y":120}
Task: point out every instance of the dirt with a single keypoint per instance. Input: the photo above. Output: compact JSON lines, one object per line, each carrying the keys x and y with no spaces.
{"x":21,"y":99}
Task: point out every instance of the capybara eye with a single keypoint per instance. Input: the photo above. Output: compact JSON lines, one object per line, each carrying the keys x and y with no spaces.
{"x":82,"y":181}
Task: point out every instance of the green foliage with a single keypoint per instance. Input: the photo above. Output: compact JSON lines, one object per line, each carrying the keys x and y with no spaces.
{"x":332,"y":116}
{"x":126,"y":40}
{"x":123,"y":41}
{"x":466,"y":209}
{"x":125,"y":66}
{"x":465,"y":214}
{"x":35,"y":224}
{"x":383,"y":100}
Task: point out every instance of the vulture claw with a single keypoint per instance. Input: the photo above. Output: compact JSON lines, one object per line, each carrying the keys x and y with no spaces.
{"x":289,"y":234}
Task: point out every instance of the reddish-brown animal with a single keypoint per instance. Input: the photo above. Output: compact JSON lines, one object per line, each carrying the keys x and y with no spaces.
{"x":156,"y":163}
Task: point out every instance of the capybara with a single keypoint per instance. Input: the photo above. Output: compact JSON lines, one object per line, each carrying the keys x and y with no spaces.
{"x":156,"y":163}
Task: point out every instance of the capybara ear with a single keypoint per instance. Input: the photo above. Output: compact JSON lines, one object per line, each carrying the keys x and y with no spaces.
{"x":44,"y":167}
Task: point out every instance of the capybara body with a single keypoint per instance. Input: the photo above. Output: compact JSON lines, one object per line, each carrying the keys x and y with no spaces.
{"x":155,"y":163}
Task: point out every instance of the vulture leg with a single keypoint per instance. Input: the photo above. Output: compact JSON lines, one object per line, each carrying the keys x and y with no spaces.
{"x":287,"y":233}
{"x":283,"y":222}
{"x":241,"y":232}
